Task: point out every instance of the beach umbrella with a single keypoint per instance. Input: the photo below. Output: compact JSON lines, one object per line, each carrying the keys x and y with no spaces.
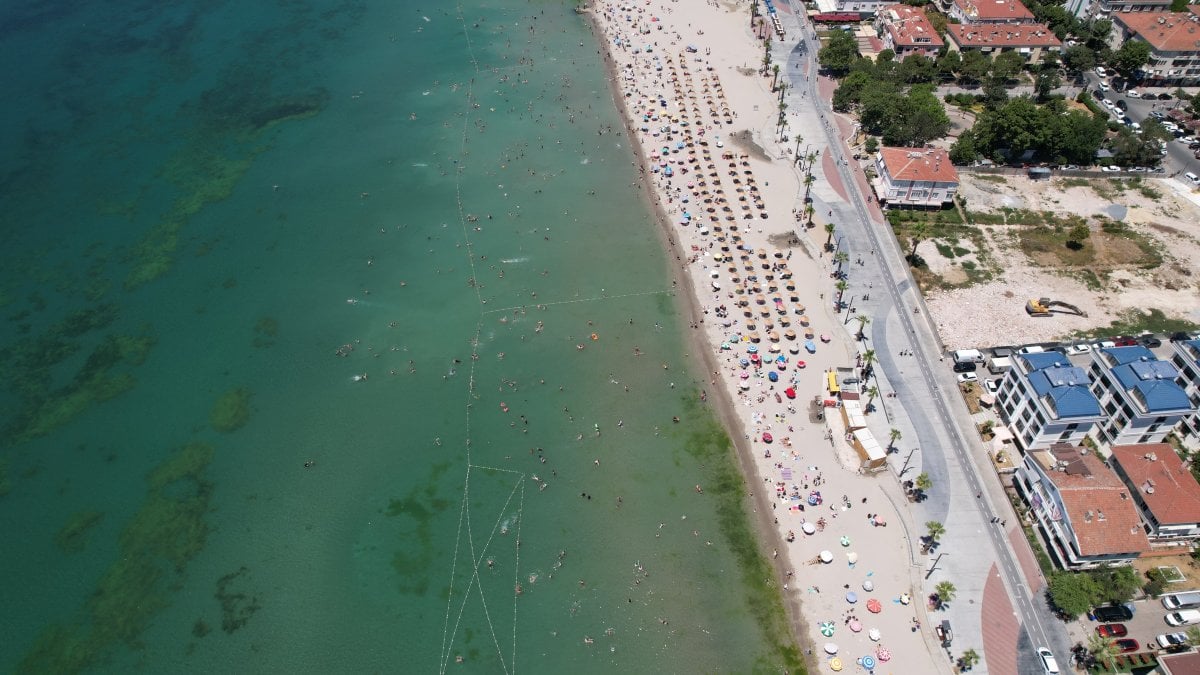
{"x":883,"y":653}
{"x":810,"y":346}
{"x":800,"y":365}
{"x":873,"y":634}
{"x":868,"y":662}
{"x":753,"y":349}
{"x":745,"y":374}
{"x":868,"y":585}
{"x":905,"y":598}
{"x":773,"y":376}
{"x":835,"y":664}
{"x":795,"y":349}
{"x":851,"y":597}
{"x":845,"y":540}
{"x":826,"y":556}
{"x":789,"y":334}
{"x":852,"y":557}
{"x":874,"y":606}
{"x":827,"y":628}
{"x":726,"y":345}
{"x":790,"y":392}
{"x":831,"y":648}
{"x":808,"y":528}
{"x":855,"y":625}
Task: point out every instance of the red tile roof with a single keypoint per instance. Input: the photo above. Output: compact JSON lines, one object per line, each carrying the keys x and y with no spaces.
{"x":1002,"y":35}
{"x":1164,"y":31}
{"x":909,"y":27}
{"x":1164,"y":482}
{"x":1180,"y":664}
{"x":1101,"y":511}
{"x":994,"y":10}
{"x":928,"y":164}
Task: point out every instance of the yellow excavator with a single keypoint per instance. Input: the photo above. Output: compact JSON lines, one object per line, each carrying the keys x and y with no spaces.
{"x":1042,"y":307}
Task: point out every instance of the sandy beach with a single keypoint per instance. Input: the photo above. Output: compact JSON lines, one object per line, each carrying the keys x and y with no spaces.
{"x":688,"y":74}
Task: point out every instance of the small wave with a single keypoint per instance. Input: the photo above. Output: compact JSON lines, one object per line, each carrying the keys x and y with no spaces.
{"x":510,"y":261}
{"x":585,"y":160}
{"x":420,"y":164}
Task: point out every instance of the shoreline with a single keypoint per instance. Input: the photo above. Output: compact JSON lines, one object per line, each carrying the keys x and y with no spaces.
{"x":643,"y":68}
{"x":724,"y":409}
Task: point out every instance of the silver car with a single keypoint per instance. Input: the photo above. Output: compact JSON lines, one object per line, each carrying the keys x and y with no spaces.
{"x":1048,"y":662}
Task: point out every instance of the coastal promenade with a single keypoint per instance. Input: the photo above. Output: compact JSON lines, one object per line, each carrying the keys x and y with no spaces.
{"x":999,"y":610}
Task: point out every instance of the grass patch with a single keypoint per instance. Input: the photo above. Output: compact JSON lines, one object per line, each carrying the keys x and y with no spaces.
{"x":1074,"y":182}
{"x":991,"y":178}
{"x":1039,"y":243}
{"x":1151,"y":256}
{"x":1134,"y":322}
{"x":1088,"y":278}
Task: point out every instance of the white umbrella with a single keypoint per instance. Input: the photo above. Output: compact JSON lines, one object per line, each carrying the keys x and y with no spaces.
{"x":831,"y":648}
{"x":826,"y":556}
{"x":868,"y":585}
{"x":808,"y":528}
{"x":852,"y":557}
{"x":873,"y":634}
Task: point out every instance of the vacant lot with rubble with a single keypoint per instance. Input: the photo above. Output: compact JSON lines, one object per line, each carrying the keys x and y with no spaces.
{"x":1134,"y":263}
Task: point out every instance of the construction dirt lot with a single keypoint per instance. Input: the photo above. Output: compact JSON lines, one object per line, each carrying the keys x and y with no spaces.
{"x":1140,"y":252}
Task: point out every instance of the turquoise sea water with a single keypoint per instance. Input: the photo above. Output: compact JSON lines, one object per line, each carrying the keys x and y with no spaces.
{"x":297,"y":298}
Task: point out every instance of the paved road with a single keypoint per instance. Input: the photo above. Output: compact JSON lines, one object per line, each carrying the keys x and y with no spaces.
{"x":1179,"y":157}
{"x":936,"y":428}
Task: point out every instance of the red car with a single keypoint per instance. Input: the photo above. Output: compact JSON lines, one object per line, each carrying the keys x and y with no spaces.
{"x":1127,"y":645}
{"x":1113,"y":630}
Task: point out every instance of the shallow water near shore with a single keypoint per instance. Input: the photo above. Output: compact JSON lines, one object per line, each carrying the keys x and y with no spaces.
{"x":339,"y":339}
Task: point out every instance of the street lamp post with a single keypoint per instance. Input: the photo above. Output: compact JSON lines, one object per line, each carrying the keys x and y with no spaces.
{"x":906,"y":461}
{"x":934,"y":565}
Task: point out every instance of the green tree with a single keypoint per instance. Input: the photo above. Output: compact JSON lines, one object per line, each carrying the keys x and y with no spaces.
{"x":893,"y":436}
{"x":1097,"y":38}
{"x":1130,"y":57}
{"x":963,"y":151}
{"x":775,"y":76}
{"x":917,"y":68}
{"x":871,"y":145}
{"x":934,"y":531}
{"x":1114,"y":584}
{"x":968,"y":659}
{"x":829,"y":228}
{"x":1072,"y":592}
{"x":1179,"y":5}
{"x":1078,"y":234}
{"x":872,"y":392}
{"x":1007,"y":64}
{"x":923,"y":482}
{"x":841,"y":287}
{"x":1078,"y":59}
{"x":939,"y":22}
{"x":995,"y":92}
{"x":885,"y":55}
{"x":948,"y":65}
{"x":1130,"y":149}
{"x":1193,"y":635}
{"x":975,"y":66}
{"x":1103,"y":649}
{"x":1046,"y":82}
{"x":839,"y":52}
{"x":918,"y":231}
{"x":862,"y":320}
{"x":945,"y":592}
{"x":868,"y":363}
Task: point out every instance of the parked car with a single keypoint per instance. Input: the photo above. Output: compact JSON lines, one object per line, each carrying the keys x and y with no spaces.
{"x":991,"y":385}
{"x":967,"y":377}
{"x":1169,"y":640}
{"x":1101,"y":71}
{"x":1081,"y":348}
{"x":1150,"y":341}
{"x":1127,"y":645}
{"x":1111,"y":169}
{"x":1112,"y":613}
{"x":1184,"y":617}
{"x":965,"y":367}
{"x":1180,"y":337}
{"x":1163,"y":97}
{"x":1125,"y":341}
{"x":1113,"y":630}
{"x":1049,"y":665}
{"x":1133,"y":93}
{"x":1106,"y":103}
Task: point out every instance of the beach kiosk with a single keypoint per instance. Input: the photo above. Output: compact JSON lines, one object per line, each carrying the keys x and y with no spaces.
{"x":873,"y":457}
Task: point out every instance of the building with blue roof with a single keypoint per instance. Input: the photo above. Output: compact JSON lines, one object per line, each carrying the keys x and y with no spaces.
{"x":1186,"y":359}
{"x":1141,"y":396}
{"x":1045,"y":400}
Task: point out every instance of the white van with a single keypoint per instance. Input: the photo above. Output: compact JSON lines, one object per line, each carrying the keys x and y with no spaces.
{"x":1032,"y":349}
{"x":1182,"y":600}
{"x":968,"y":356}
{"x":1185,"y":617}
{"x":1192,"y":178}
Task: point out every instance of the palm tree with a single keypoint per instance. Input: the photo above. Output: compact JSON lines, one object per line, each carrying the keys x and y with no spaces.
{"x":862,"y":320}
{"x":945,"y":592}
{"x":1103,"y":649}
{"x":840,"y":258}
{"x":753,"y":14}
{"x":829,"y":228}
{"x":872,"y":392}
{"x":841,"y":287}
{"x":868,"y":362}
{"x":968,"y":659}
{"x":893,"y":436}
{"x":935,"y":529}
{"x":809,"y":210}
{"x":923,"y":482}
{"x":919,"y":231}
{"x":775,"y":78}
{"x":783,"y":87}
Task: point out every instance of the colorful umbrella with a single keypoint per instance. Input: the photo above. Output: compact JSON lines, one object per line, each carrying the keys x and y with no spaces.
{"x":873,"y":606}
{"x":845,"y":540}
{"x":827,"y":628}
{"x":868,"y":662}
{"x":855,"y":625}
{"x":851,"y":597}
{"x":883,"y":653}
{"x":835,"y":663}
